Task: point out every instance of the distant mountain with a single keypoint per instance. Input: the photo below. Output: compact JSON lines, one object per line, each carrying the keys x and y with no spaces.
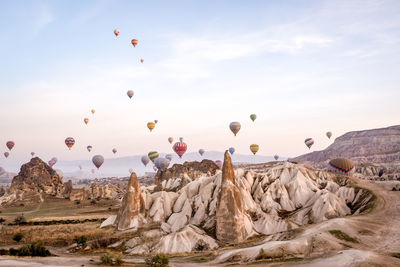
{"x":378,"y":146}
{"x":7,"y":177}
{"x":119,"y":167}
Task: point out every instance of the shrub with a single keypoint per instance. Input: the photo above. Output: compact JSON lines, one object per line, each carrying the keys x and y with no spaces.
{"x":159,"y":260}
{"x":20,"y":219}
{"x":77,"y":202}
{"x":107,"y":259}
{"x":80,"y":241}
{"x":35,"y":249}
{"x":17,"y":237}
{"x":2,"y":220}
{"x":118,"y":260}
{"x":342,"y":236}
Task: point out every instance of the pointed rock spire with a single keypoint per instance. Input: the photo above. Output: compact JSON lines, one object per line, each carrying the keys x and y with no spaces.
{"x":132,"y":205}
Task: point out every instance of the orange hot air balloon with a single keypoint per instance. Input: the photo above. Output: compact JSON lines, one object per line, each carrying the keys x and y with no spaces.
{"x":151,"y":125}
{"x":134,"y":42}
{"x":93,"y":111}
{"x":116,"y":32}
{"x":86,"y":120}
{"x":142,"y":60}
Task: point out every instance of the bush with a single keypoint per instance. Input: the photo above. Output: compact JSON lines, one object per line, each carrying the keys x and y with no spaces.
{"x":20,"y":219}
{"x":80,"y":241}
{"x":107,"y":259}
{"x":118,"y":260}
{"x":2,"y":220}
{"x":36,"y":249}
{"x":17,"y":237}
{"x":159,"y":260}
{"x":77,"y":202}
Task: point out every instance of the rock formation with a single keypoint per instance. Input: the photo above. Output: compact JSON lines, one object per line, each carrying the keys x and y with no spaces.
{"x":377,"y":145}
{"x":132,"y":206}
{"x":96,"y":191}
{"x":282,"y":197}
{"x":230,"y":221}
{"x":187,"y":171}
{"x":67,"y":188}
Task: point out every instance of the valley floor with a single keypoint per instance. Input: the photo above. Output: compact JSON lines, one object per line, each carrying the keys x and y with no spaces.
{"x":377,"y":237}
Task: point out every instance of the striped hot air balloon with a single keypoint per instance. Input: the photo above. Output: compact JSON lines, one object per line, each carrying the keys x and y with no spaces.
{"x":153,"y":155}
{"x":98,"y":160}
{"x":69,"y":141}
{"x":341,"y":165}
{"x":180,"y":147}
{"x":309,"y":142}
{"x":254,"y":148}
{"x":134,"y":42}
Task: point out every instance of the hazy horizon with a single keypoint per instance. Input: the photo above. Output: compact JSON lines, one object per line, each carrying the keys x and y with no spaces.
{"x":303,"y":68}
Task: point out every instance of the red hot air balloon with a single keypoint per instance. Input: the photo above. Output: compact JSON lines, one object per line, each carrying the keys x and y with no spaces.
{"x":116,"y":32}
{"x":10,"y":145}
{"x":69,"y":141}
{"x":134,"y":42}
{"x":180,"y":147}
{"x":6,"y":154}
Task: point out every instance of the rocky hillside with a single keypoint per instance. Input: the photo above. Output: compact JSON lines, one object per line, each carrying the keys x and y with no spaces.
{"x":232,"y":206}
{"x":376,"y":146}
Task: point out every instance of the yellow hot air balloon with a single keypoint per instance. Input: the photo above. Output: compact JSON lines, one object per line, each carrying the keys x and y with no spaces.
{"x":254,"y":148}
{"x":151,"y":125}
{"x":253,"y":117}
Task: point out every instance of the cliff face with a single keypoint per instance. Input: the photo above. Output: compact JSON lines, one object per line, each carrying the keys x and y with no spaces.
{"x":377,"y":145}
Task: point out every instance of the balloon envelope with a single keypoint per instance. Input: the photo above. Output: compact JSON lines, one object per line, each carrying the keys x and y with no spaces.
{"x":32,"y":154}
{"x":152,"y":155}
{"x":254,"y":148}
{"x":235,"y":127}
{"x":145,"y":160}
{"x":170,"y":140}
{"x":116,"y":32}
{"x":134,"y":42}
{"x":329,"y":134}
{"x":114,"y":150}
{"x":169,"y":157}
{"x":142,"y":60}
{"x":10,"y":145}
{"x":231,"y":150}
{"x":180,"y":148}
{"x":276,"y":157}
{"x":6,"y":154}
{"x":86,"y":120}
{"x":98,"y":160}
{"x":93,"y":111}
{"x":130,"y":93}
{"x":161,"y":163}
{"x":89,"y":148}
{"x":69,"y":141}
{"x":341,"y":165}
{"x":201,"y":151}
{"x":309,"y":142}
{"x":253,"y":117}
{"x":151,"y":125}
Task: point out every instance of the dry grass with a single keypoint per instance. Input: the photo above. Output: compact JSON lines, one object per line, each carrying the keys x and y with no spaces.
{"x":53,"y":235}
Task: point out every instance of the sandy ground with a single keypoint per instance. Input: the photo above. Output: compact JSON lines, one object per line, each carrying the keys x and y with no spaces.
{"x":378,"y":233}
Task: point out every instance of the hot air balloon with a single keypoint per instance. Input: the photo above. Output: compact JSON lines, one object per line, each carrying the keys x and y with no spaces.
{"x":51,"y":163}
{"x":253,"y":117}
{"x":130,"y":93}
{"x":32,"y":154}
{"x":69,"y":141}
{"x":86,"y":120}
{"x":341,"y":165}
{"x":130,"y":170}
{"x":89,"y":148}
{"x":6,"y":154}
{"x":276,"y":157}
{"x":93,"y":111}
{"x":153,"y":155}
{"x":254,"y":148}
{"x":309,"y":142}
{"x":329,"y":134}
{"x":145,"y":160}
{"x":151,"y":125}
{"x":169,"y":157}
{"x":114,"y":150}
{"x":54,"y":159}
{"x":219,"y":163}
{"x":80,"y":167}
{"x":170,"y":140}
{"x":235,"y":127}
{"x":98,"y":160}
{"x":231,"y":150}
{"x":155,"y":121}
{"x":180,"y":147}
{"x":161,"y":163}
{"x":142,"y":60}
{"x":116,"y":32}
{"x":134,"y":42}
{"x":10,"y":145}
{"x":201,"y":151}
{"x":2,"y":171}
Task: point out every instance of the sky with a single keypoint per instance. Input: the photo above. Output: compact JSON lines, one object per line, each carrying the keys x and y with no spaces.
{"x":304,"y":67}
